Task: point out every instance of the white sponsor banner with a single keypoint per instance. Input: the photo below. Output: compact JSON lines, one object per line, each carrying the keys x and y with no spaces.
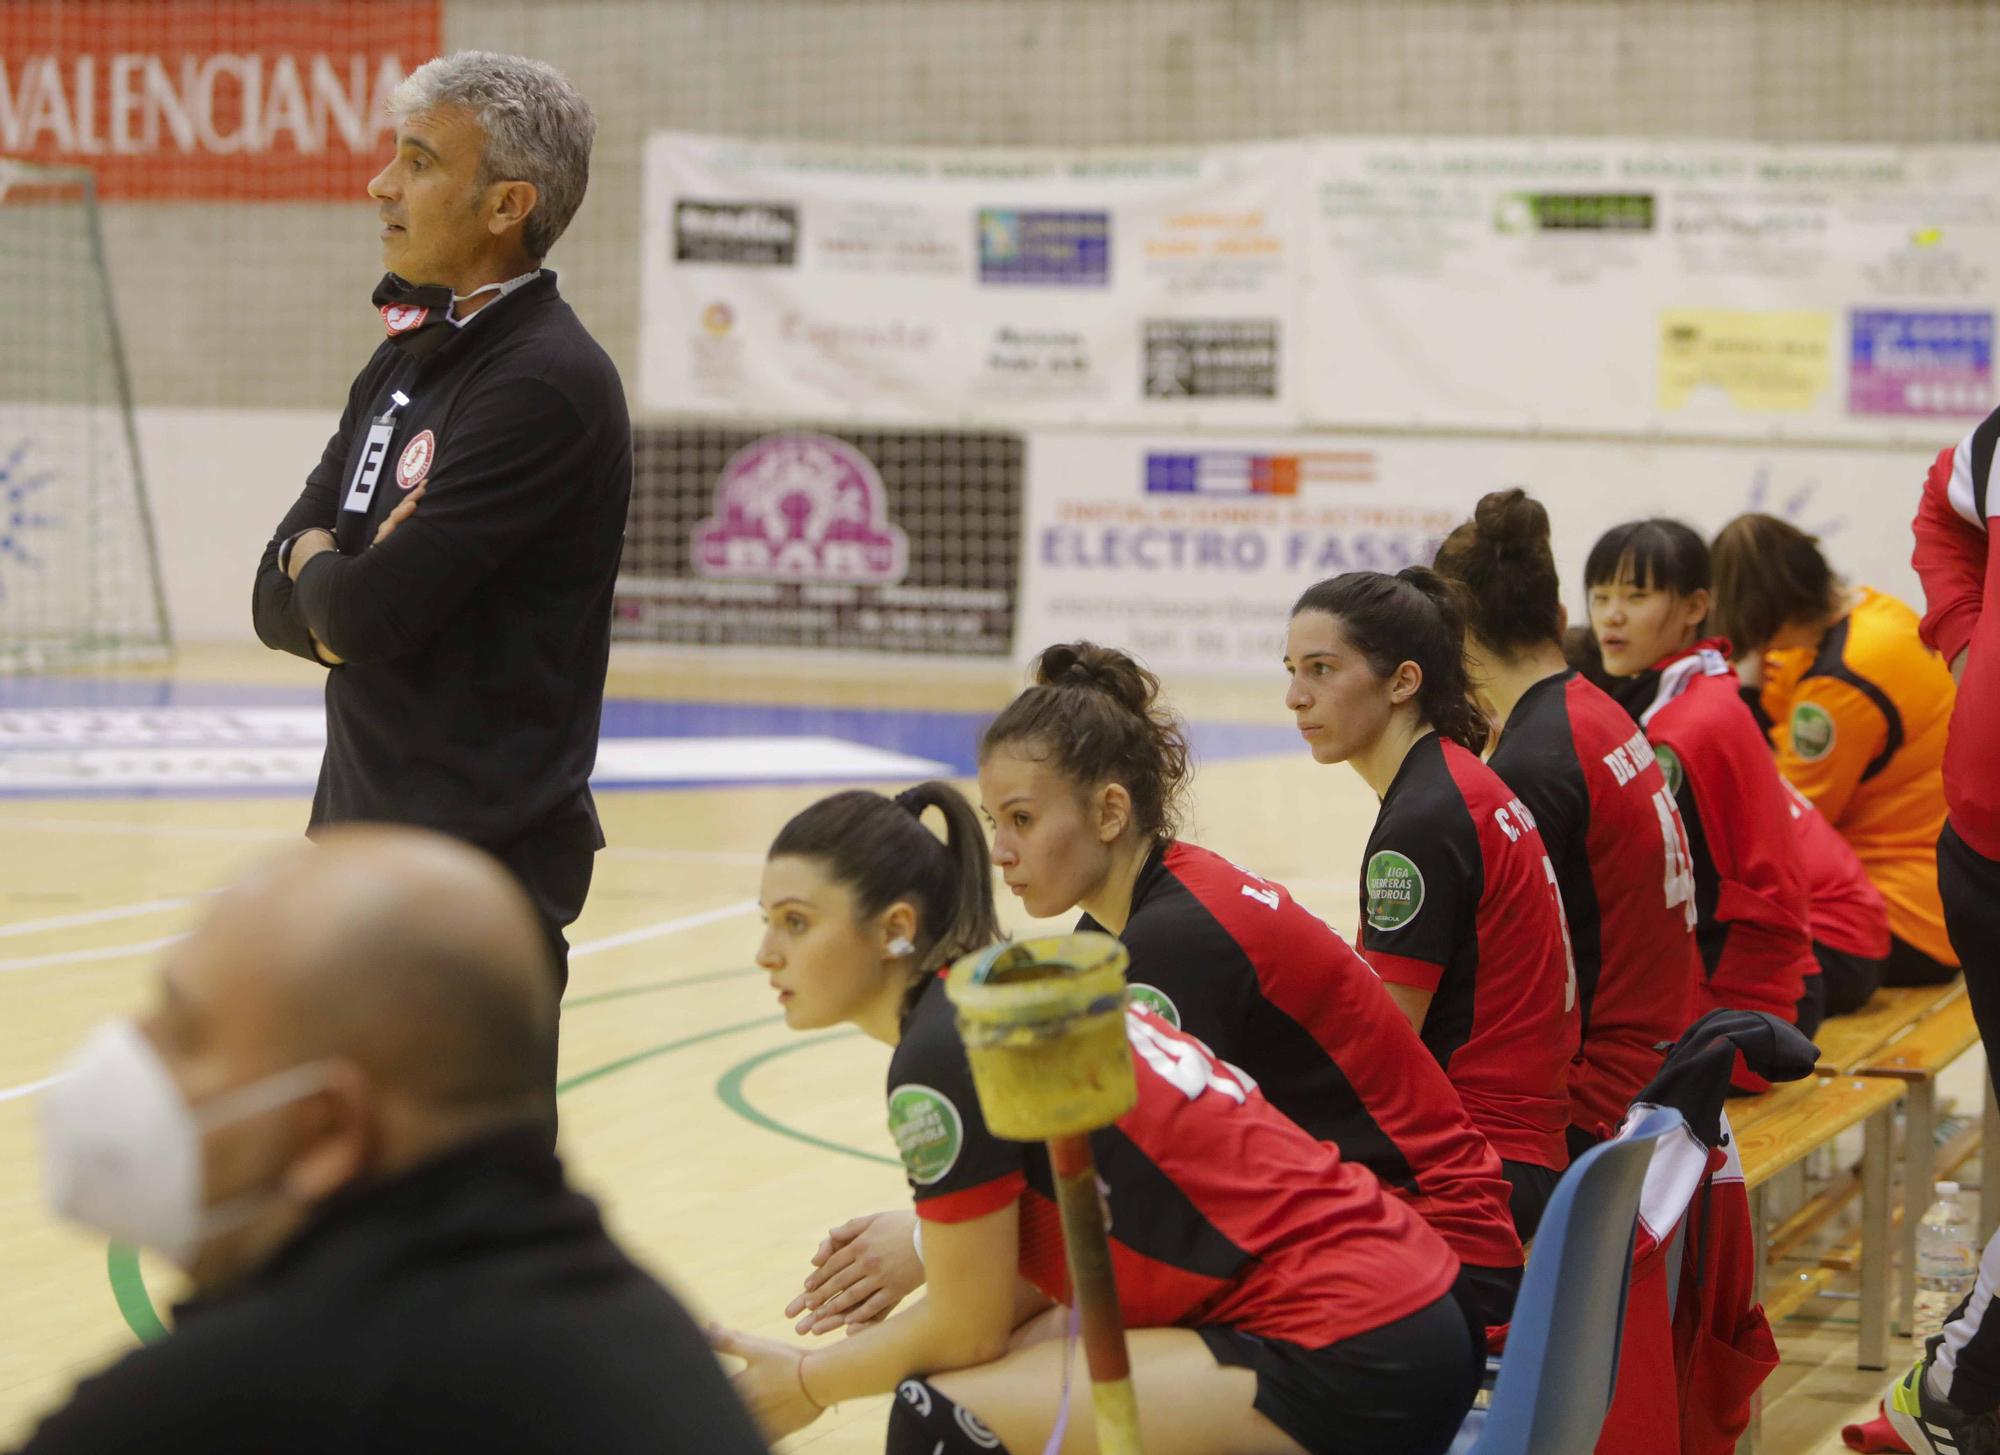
{"x":1627,"y":286}
{"x":972,"y":286}
{"x":1190,"y":550}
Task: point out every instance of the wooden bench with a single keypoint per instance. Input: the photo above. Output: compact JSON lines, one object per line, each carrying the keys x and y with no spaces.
{"x":1780,"y":1128}
{"x":1849,"y":1042}
{"x":1916,"y":1058}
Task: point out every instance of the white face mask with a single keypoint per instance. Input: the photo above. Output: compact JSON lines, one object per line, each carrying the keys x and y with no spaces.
{"x":121,"y":1147}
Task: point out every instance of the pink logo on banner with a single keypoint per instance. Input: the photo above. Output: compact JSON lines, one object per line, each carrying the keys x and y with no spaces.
{"x":801,"y":507}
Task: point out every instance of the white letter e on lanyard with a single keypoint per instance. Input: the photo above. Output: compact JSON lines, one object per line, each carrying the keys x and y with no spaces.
{"x":368,"y":469}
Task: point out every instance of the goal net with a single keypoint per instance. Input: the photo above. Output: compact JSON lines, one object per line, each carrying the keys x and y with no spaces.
{"x":79,"y":574}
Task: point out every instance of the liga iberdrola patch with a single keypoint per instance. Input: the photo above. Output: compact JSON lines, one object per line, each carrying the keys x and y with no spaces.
{"x":1395,"y":888}
{"x":1812,"y":731}
{"x":1670,"y":766}
{"x":415,"y":465}
{"x":1148,"y":997}
{"x":928,"y":1131}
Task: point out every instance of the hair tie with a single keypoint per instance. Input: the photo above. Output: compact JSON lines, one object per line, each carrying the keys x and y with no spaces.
{"x":912,"y":801}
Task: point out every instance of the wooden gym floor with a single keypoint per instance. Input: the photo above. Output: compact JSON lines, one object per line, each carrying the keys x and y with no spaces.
{"x":721,"y":1146}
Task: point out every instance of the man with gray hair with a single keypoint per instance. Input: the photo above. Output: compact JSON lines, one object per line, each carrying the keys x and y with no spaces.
{"x":452,"y":557}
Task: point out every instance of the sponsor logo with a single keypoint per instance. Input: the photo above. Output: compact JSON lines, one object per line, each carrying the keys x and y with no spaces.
{"x":1395,"y":890}
{"x":1526,"y":212}
{"x":211,"y":99}
{"x":1670,"y":766}
{"x":928,"y":1131}
{"x":1919,"y":363}
{"x":1052,"y":360}
{"x":20,"y":481}
{"x":717,"y":319}
{"x":1236,"y":473}
{"x":1147,"y":997}
{"x":414,"y":467}
{"x":801,"y":507}
{"x":1812,"y":731}
{"x":1044,"y":249}
{"x":747,"y":234}
{"x":1211,"y":358}
{"x":841,"y":340}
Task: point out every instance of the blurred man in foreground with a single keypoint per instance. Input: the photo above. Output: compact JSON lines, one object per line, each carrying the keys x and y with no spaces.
{"x":335,"y":1120}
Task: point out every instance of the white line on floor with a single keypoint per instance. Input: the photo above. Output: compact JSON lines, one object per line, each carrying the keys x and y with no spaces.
{"x":94,"y":916}
{"x":82,"y":957}
{"x":27,"y":1088}
{"x":663,"y":928}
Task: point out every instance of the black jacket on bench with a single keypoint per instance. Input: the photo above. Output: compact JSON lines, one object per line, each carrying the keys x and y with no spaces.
{"x":475,"y":1304}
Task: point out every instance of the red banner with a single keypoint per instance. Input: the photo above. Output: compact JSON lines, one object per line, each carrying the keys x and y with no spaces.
{"x":239,"y":100}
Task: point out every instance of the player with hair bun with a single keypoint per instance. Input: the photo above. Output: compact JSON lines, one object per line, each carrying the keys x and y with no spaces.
{"x":1082,"y":777}
{"x":1647,"y":583}
{"x":1461,"y":915}
{"x":1278,"y":1301}
{"x":1606,"y":816}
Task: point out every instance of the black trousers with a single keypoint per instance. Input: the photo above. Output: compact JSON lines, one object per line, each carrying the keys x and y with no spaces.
{"x":553,"y":861}
{"x":1533,"y":1187}
{"x":1970,"y":885}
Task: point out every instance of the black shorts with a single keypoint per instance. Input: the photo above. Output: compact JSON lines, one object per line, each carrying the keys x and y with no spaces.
{"x":1402,"y":1389}
{"x":1533,"y":1186}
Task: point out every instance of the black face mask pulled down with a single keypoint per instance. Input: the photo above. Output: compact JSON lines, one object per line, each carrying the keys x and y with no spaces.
{"x":417,"y":316}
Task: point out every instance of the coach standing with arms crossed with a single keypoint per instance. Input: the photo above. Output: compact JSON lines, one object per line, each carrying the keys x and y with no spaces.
{"x":452,"y":557}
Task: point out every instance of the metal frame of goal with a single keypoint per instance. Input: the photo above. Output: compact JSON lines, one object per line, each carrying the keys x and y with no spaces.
{"x":79,"y":564}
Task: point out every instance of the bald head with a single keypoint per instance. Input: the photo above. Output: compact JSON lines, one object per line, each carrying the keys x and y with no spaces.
{"x":409,"y":954}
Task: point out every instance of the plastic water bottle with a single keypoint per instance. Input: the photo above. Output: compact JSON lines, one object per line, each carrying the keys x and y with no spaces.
{"x":1947,"y":1261}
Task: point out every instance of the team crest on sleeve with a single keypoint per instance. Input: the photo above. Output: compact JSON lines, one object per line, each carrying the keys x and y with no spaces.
{"x":1395,"y":888}
{"x":400,"y":318}
{"x":1812,"y":731}
{"x":414,"y":467}
{"x":1148,"y":997}
{"x":1670,"y":766}
{"x":928,"y":1130}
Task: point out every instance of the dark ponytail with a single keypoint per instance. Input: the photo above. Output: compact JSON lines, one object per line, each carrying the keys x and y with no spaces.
{"x":1415,"y":616}
{"x":1097,"y":715}
{"x":880,"y":851}
{"x":1502,"y":558}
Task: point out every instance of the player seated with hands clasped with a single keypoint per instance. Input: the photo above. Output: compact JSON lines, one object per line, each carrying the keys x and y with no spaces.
{"x":1082,"y":777}
{"x":1277,"y":1299}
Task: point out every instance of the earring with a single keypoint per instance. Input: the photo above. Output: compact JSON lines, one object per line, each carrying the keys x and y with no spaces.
{"x":901,"y":946}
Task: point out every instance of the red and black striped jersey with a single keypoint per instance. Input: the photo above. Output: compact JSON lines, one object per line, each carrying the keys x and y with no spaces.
{"x":1222,"y":1210}
{"x":1458,"y":898}
{"x":1750,"y":897}
{"x":1237,"y":963}
{"x":1608,"y":822}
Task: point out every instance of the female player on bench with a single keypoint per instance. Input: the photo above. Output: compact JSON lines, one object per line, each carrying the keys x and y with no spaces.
{"x":1460,"y":911}
{"x":1279,"y":1300}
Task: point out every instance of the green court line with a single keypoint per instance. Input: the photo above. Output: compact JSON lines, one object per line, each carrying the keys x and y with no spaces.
{"x":128,"y":1284}
{"x":578,"y":1002}
{"x":730,"y":1090}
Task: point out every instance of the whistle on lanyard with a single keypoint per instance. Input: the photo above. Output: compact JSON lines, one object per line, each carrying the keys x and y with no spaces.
{"x":374,"y":452}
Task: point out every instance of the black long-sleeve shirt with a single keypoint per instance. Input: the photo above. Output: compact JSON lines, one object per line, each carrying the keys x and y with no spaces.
{"x":475,"y":1303}
{"x":474,"y":639}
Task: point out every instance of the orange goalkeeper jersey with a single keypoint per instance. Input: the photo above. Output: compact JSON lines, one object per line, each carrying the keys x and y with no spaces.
{"x":1859,"y":725}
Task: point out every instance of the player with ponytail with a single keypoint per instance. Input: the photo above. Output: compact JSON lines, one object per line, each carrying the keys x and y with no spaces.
{"x":1461,"y":916}
{"x":1606,"y":816}
{"x":1278,"y":1301}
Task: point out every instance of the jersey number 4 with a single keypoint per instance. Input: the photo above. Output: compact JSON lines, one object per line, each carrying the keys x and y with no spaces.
{"x":1185,"y":1064}
{"x":1680,"y":864}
